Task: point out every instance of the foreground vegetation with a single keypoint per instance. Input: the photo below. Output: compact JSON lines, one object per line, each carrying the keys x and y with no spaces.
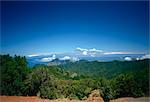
{"x":121,"y":79}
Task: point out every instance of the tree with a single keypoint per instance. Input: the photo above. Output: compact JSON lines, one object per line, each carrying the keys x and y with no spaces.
{"x":36,"y":78}
{"x":13,"y":74}
{"x":125,"y":85}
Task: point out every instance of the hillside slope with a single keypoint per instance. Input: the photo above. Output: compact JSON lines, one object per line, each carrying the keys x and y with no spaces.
{"x":106,"y":69}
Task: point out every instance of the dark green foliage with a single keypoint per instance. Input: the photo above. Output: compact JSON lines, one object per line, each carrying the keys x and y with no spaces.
{"x":74,"y":80}
{"x":36,"y":78}
{"x":106,"y":93}
{"x":13,"y":73}
{"x":41,"y":81}
{"x":48,"y":90}
{"x":124,"y":85}
{"x":131,"y":84}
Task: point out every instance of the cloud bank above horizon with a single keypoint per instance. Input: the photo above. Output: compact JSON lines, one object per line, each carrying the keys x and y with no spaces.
{"x":83,"y":52}
{"x":93,"y":52}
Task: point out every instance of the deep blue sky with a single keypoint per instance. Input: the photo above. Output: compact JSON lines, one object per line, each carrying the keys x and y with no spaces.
{"x":41,"y":27}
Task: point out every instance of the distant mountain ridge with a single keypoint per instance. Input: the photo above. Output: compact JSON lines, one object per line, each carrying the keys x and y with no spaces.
{"x":56,"y":62}
{"x":57,"y":59}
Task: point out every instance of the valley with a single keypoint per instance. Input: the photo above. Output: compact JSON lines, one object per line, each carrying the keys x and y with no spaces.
{"x":75,"y":80}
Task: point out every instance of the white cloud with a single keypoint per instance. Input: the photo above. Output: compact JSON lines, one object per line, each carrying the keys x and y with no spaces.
{"x":69,"y":58}
{"x":47,"y":59}
{"x":145,"y":57}
{"x":92,"y":52}
{"x":33,"y":55}
{"x":85,"y":52}
{"x":75,"y":59}
{"x":110,"y":53}
{"x":65,"y":58}
{"x":96,"y":52}
{"x":81,"y":49}
{"x":54,"y":56}
{"x":92,"y":55}
{"x":128,"y":58}
{"x":44,"y":54}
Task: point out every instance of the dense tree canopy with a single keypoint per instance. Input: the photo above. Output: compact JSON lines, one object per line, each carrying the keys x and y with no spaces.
{"x":13,"y":73}
{"x":74,"y":80}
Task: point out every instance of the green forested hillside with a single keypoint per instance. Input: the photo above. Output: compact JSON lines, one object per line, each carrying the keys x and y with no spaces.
{"x":74,"y":80}
{"x":106,"y":69}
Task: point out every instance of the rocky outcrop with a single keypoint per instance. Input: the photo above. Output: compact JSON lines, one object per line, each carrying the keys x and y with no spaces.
{"x":95,"y":97}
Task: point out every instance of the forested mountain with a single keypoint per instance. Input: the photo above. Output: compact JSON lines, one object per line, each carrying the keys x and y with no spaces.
{"x":74,"y":80}
{"x":106,"y":69}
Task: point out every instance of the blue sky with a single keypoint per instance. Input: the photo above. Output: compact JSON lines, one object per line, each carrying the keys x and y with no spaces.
{"x":42,"y":27}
